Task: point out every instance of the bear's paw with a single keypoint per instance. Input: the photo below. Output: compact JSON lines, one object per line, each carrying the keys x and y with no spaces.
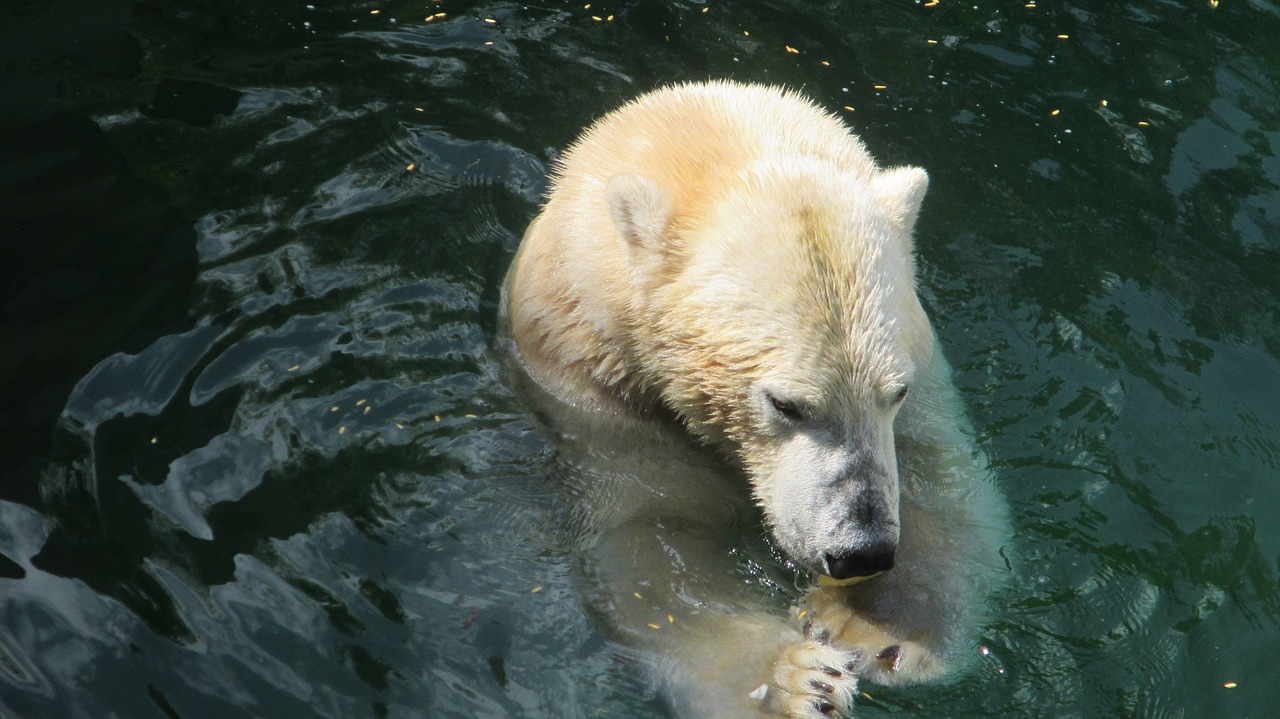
{"x":881,"y":654}
{"x":811,"y":680}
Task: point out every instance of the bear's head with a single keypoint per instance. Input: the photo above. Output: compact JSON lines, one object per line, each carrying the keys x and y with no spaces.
{"x":776,"y":314}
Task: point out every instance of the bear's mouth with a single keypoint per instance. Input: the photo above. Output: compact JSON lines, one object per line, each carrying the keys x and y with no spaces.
{"x":829,"y":581}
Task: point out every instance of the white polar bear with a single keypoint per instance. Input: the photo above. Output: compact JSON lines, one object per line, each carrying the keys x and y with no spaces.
{"x":716,"y":308}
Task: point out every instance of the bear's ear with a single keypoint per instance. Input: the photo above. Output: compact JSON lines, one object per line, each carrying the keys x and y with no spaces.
{"x":640,"y":210}
{"x":902,"y":191}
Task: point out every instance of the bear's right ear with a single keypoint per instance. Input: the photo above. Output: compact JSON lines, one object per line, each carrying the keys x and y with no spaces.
{"x":902,"y":189}
{"x":640,"y":210}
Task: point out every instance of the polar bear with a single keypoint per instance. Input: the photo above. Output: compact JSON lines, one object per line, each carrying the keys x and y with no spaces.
{"x":714,"y":317}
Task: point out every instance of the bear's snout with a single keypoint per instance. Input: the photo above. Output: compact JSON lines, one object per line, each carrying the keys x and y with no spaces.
{"x":861,"y":562}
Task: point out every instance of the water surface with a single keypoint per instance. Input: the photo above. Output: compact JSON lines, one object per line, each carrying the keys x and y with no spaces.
{"x":259,"y":460}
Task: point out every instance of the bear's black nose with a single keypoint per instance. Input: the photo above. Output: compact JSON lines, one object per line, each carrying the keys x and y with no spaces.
{"x":862,"y":562}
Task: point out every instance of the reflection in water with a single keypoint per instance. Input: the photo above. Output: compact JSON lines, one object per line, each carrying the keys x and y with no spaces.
{"x":234,"y":315}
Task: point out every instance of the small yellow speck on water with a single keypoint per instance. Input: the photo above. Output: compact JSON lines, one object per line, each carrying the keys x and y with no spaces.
{"x":587,"y":6}
{"x":654,"y":626}
{"x":411,"y":167}
{"x":1104,"y":103}
{"x":671,"y":619}
{"x":360,"y":402}
{"x":1063,"y":36}
{"x":1230,"y":685}
{"x":154,"y":440}
{"x":537,"y":589}
{"x":374,"y":12}
{"x":1031,"y":5}
{"x":488,"y":42}
{"x":597,"y":18}
{"x":437,"y":418}
{"x":295,"y":368}
{"x":825,"y":63}
{"x":469,"y":416}
{"x":366,"y":409}
{"x":705,"y":9}
{"x":745,"y":33}
{"x":881,"y":87}
{"x":399,"y":426}
{"x":931,"y":3}
{"x":608,"y":18}
{"x":1143,"y":123}
{"x":333,"y":408}
{"x":866,"y":695}
{"x":803,"y":613}
{"x":491,"y":21}
{"x":1213,"y":3}
{"x":439,"y":14}
{"x":418,"y":109}
{"x":342,"y":429}
{"x":792,"y":50}
{"x":637,"y":595}
{"x":932,"y":42}
{"x":1055,"y":113}
{"x":850,"y":109}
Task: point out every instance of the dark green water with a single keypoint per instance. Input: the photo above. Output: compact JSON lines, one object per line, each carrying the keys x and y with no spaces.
{"x":257,"y":460}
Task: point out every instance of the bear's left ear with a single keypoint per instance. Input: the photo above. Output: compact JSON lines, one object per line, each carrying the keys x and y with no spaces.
{"x":902,"y":191}
{"x":641,"y":211}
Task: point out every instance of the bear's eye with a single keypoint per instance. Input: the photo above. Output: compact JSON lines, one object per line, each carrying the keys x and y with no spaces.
{"x":790,"y":411}
{"x":900,"y":395}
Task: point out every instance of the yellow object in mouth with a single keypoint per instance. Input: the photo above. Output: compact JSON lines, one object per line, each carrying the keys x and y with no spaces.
{"x":825,"y":581}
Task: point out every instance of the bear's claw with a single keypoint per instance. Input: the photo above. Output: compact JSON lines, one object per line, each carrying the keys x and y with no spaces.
{"x":821,"y":686}
{"x":890,"y":657}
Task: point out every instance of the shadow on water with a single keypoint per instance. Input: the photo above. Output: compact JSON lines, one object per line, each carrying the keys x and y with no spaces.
{"x":259,"y":459}
{"x":108,"y":269}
